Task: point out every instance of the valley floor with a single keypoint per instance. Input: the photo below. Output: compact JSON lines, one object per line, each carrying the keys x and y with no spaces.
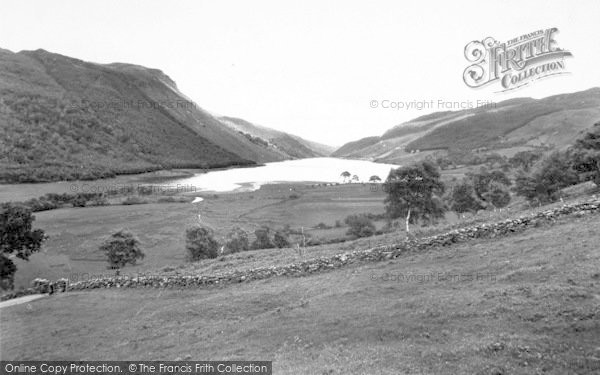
{"x":75,"y":234}
{"x":524,"y":304}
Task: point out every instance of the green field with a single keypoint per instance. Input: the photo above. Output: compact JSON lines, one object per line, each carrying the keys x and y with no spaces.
{"x":530,"y":307}
{"x":76,"y":233}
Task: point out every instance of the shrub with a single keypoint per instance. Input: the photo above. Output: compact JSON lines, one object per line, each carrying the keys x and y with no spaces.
{"x":498,"y":197}
{"x":545,"y":183}
{"x":280,"y":239}
{"x":7,"y":273}
{"x":79,"y":201}
{"x":586,"y":155}
{"x":322,"y":226}
{"x":360,"y":225}
{"x":262,"y":238}
{"x":463,"y":198}
{"x":314,"y":242}
{"x":99,"y":200}
{"x":40,"y":204}
{"x":166,"y":200}
{"x":524,"y":159}
{"x":133,"y":200}
{"x":145,"y":190}
{"x":200,"y":244}
{"x":485,"y":181}
{"x":122,"y":248}
{"x":237,"y":240}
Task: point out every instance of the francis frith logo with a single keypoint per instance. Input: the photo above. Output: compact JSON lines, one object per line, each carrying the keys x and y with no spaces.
{"x":515,"y":63}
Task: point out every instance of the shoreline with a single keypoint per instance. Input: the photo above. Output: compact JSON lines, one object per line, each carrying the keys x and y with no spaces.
{"x":22,"y":191}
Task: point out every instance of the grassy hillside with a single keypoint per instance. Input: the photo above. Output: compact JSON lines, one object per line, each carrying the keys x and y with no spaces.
{"x":62,"y":118}
{"x":509,"y":126}
{"x":350,"y":147}
{"x":515,"y":305}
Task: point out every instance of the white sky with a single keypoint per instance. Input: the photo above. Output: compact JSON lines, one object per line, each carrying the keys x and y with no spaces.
{"x":308,"y":67}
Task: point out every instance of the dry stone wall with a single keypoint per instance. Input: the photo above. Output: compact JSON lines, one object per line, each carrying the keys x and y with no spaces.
{"x":486,"y":230}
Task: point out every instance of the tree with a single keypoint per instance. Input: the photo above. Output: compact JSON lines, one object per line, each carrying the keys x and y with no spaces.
{"x":263,"y":240}
{"x":18,"y":237}
{"x":545,"y":183}
{"x":463,"y":198}
{"x":360,"y":225}
{"x":491,"y":187}
{"x":495,"y":159}
{"x":345,"y":175}
{"x":498,"y":196}
{"x":280,"y":239}
{"x":7,"y":273}
{"x":374,"y":178}
{"x":200,"y":244}
{"x":524,"y":159}
{"x":122,"y":248}
{"x":355,"y":178}
{"x":413,"y":193}
{"x":79,"y":201}
{"x":443,"y":163}
{"x":237,"y":240}
{"x":484,"y":180}
{"x":586,"y":155}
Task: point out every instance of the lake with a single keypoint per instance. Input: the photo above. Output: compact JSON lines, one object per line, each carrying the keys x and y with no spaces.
{"x":326,"y":170}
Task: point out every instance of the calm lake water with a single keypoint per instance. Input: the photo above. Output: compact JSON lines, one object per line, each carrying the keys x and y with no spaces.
{"x":314,"y":169}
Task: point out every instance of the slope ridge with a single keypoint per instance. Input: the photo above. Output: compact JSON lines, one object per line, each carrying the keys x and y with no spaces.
{"x":551,"y":122}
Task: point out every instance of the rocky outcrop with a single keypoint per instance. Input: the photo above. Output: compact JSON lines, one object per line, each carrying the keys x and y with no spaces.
{"x":486,"y":230}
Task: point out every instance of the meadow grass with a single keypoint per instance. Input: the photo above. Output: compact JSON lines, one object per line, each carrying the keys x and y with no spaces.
{"x":529,"y":306}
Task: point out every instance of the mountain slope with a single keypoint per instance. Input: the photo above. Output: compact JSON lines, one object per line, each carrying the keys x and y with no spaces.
{"x":289,"y":144}
{"x":63,"y":118}
{"x":549,"y":123}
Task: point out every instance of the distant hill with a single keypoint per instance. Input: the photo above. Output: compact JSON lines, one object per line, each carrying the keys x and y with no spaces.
{"x":63,"y":118}
{"x":508,"y":127}
{"x":351,"y":147}
{"x":288,"y":144}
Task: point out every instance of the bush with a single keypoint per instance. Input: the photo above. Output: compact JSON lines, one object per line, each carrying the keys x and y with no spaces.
{"x":322,"y":226}
{"x":262,"y":239}
{"x":41,"y":204}
{"x":145,"y":190}
{"x":586,"y":155}
{"x":99,"y":200}
{"x":314,"y":242}
{"x":237,"y":240}
{"x":200,"y":244}
{"x":79,"y":201}
{"x":463,"y":199}
{"x":360,"y":225}
{"x":485,"y":181}
{"x":545,"y":183}
{"x":133,"y":200}
{"x":122,"y":248}
{"x":280,"y":239}
{"x":7,"y":273}
{"x":498,"y":197}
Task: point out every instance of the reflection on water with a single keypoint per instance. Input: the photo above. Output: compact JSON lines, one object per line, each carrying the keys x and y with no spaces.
{"x":314,"y":169}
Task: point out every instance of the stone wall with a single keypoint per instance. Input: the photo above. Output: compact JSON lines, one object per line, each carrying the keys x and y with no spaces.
{"x":486,"y":230}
